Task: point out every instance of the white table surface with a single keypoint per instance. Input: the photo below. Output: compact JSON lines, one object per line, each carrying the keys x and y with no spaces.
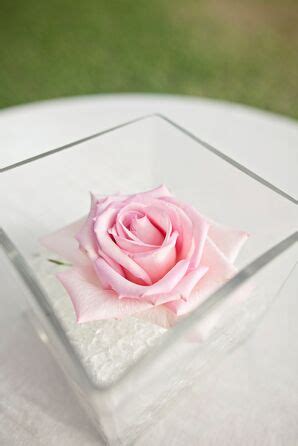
{"x":252,"y":398}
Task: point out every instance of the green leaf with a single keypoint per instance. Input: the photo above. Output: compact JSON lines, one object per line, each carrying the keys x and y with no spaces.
{"x":59,"y":262}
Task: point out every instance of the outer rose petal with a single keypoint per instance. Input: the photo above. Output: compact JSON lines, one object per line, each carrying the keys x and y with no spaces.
{"x":228,"y":240}
{"x":158,"y":315}
{"x":220,"y":270}
{"x":63,"y":243}
{"x":91,"y":302}
{"x":85,"y":235}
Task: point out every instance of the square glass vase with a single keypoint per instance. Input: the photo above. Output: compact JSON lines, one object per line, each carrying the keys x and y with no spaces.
{"x":127,"y":373}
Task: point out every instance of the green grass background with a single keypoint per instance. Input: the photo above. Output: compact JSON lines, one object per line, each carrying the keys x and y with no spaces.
{"x":243,"y":51}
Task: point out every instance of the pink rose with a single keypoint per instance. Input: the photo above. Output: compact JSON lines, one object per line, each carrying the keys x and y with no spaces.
{"x":147,"y":255}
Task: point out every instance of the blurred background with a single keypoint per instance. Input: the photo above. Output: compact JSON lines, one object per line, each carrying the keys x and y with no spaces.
{"x":242,"y":51}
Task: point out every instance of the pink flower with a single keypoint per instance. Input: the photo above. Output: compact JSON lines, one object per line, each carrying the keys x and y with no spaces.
{"x":147,"y":255}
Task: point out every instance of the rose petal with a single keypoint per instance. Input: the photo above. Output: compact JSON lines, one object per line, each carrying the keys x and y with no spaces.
{"x":141,"y":200}
{"x":158,"y":315}
{"x":220,"y":270}
{"x":91,"y":302}
{"x":159,"y":218}
{"x":157,"y":293}
{"x":85,"y":235}
{"x":189,"y":281}
{"x":228,"y":240}
{"x":158,"y":261}
{"x":200,"y":230}
{"x":111,"y":262}
{"x":131,"y":246}
{"x":63,"y":243}
{"x":146,"y":231}
{"x":129,"y":212}
{"x":122,"y":230}
{"x":184,"y":226}
{"x":109,"y":247}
